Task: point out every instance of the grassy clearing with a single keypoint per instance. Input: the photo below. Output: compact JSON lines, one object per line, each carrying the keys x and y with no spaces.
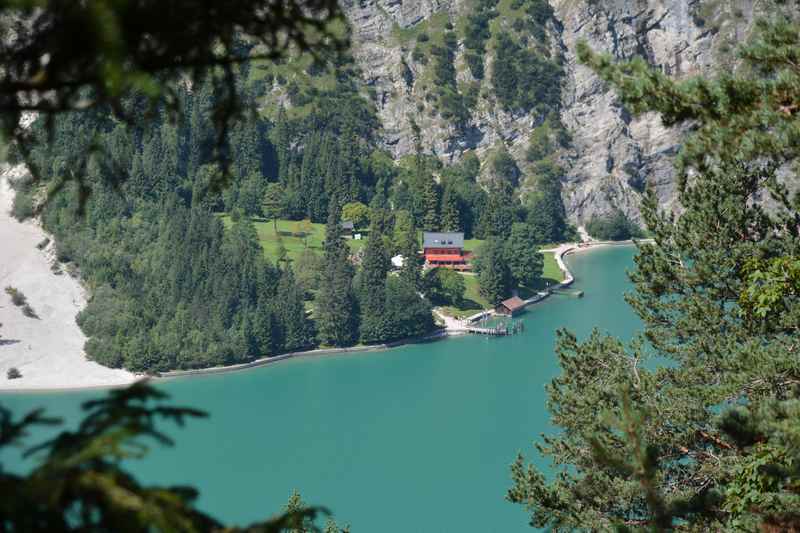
{"x":551,"y":273}
{"x":473,"y":301}
{"x":290,"y":233}
{"x":471,"y":245}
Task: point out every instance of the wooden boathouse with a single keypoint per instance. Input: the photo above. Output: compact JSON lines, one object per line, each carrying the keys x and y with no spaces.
{"x":510,"y":307}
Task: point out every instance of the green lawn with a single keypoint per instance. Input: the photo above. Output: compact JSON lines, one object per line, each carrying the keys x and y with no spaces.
{"x":290,"y":233}
{"x":551,"y":273}
{"x":473,"y":301}
{"x":471,"y":245}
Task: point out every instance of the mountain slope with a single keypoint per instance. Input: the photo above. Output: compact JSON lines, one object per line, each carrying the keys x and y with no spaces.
{"x":611,"y":157}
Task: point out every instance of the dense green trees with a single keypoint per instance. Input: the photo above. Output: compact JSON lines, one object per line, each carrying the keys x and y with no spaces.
{"x":477,"y":32}
{"x":408,"y":314}
{"x":523,"y":78}
{"x":170,"y":286}
{"x":708,"y":441}
{"x":614,"y":227}
{"x":546,"y":214}
{"x":507,"y":262}
{"x":390,"y":305}
{"x":499,"y":213}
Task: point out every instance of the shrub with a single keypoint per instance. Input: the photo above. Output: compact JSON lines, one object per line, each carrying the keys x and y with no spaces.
{"x":17,"y":298}
{"x":419,"y":56}
{"x":63,"y":253}
{"x":13,"y":373}
{"x":28,"y":311}
{"x":475,"y":64}
{"x":22,"y":207}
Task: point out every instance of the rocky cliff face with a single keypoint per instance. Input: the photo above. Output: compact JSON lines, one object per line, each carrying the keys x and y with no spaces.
{"x":612,"y":157}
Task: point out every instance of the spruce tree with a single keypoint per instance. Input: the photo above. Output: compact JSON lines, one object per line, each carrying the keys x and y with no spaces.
{"x":498,"y":215}
{"x":273,"y":202}
{"x":281,"y":140}
{"x":494,"y":276}
{"x":336,"y":309}
{"x":372,"y":291}
{"x":709,"y":440}
{"x":407,"y":244}
{"x":428,"y":200}
{"x":546,"y":213}
{"x":451,"y":211}
{"x":522,"y":255}
{"x":297,"y":330}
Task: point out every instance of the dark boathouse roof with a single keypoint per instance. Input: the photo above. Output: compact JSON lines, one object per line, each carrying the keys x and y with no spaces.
{"x":514,"y":303}
{"x":453,"y":239}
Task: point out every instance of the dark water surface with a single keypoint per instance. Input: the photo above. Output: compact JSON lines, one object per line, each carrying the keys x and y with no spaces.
{"x":418,"y":438}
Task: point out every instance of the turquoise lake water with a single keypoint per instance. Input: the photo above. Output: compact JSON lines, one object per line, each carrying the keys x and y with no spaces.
{"x":418,"y":438}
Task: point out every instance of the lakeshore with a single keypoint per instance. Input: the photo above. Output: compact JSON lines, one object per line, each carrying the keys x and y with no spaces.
{"x":75,"y":372}
{"x":49,"y":350}
{"x":434,"y":424}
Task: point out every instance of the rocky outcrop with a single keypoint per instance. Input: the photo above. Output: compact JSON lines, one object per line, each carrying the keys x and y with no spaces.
{"x":400,"y":93}
{"x":613,"y":156}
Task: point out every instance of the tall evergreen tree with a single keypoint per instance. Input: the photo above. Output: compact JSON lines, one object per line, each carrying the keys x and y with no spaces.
{"x":297,"y":331}
{"x":428,"y":200}
{"x":522,"y":255}
{"x":251,"y":193}
{"x":451,"y":211}
{"x":312,"y":182}
{"x":546,"y":213}
{"x":372,"y":291}
{"x":407,"y":313}
{"x":273,"y":203}
{"x":708,"y":442}
{"x":407,"y":244}
{"x":494,"y":276}
{"x":498,"y":215}
{"x":281,"y":140}
{"x":336,"y":308}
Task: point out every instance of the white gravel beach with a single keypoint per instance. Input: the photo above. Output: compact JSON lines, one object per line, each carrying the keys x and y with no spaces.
{"x":48,"y":351}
